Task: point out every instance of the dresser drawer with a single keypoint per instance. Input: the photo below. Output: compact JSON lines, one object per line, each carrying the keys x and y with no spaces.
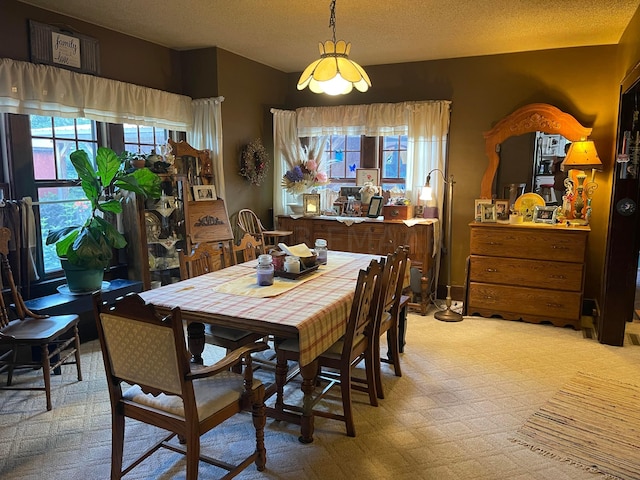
{"x":524,"y":301}
{"x":533,"y":243}
{"x":526,"y":273}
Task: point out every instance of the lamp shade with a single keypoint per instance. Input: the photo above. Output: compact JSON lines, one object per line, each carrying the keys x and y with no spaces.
{"x":582,"y":155}
{"x":334,"y":73}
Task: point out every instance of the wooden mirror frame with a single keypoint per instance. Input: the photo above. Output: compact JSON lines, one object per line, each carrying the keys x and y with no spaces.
{"x":536,"y":117}
{"x":182,"y":148}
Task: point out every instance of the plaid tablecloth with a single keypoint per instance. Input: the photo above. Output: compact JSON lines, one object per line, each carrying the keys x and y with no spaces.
{"x":316,"y":310}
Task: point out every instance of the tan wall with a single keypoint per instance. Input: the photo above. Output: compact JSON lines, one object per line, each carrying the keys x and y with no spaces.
{"x":250,"y":90}
{"x":122,"y":57}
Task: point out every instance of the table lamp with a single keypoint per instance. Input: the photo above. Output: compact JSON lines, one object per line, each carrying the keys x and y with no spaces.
{"x":582,"y":156}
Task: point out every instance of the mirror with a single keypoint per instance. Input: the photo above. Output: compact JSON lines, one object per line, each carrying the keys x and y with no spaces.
{"x":536,"y":117}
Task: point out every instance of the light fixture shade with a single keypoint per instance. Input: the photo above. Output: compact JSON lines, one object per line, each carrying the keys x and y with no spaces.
{"x":426,"y":194}
{"x":334,"y":73}
{"x":582,"y":155}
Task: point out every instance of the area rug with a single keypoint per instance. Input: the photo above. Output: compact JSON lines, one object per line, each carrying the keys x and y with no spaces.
{"x":593,"y":423}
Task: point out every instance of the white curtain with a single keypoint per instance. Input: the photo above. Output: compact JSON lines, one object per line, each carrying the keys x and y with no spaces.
{"x":206,"y":134}
{"x":30,"y":89}
{"x":285,"y":150}
{"x":426,"y":125}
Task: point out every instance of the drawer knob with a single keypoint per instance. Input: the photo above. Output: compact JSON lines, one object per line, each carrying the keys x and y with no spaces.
{"x":554,"y":305}
{"x":495,"y":243}
{"x":492,"y":270}
{"x":559,"y":247}
{"x":561,"y":277}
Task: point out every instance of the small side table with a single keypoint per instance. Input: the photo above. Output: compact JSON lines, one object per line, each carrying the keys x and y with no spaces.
{"x":273,"y":237}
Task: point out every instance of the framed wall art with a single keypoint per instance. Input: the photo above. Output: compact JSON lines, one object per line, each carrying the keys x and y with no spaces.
{"x":364,"y":175}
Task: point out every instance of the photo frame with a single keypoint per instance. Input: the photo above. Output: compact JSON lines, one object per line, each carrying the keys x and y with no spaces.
{"x":488,"y":213}
{"x":502,"y":210}
{"x":364,"y":175}
{"x":203,"y":193}
{"x":478,"y":207}
{"x":375,"y":206}
{"x":311,"y":204}
{"x":545,"y":214}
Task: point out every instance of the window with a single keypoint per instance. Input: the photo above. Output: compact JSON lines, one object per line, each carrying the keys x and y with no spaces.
{"x":142,"y":139}
{"x":61,"y":200}
{"x":347,"y":153}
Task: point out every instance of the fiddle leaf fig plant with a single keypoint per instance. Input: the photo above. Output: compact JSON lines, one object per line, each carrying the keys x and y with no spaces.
{"x":91,"y":245}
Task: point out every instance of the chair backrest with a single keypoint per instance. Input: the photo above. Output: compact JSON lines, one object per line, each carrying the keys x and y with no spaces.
{"x":248,"y":249}
{"x":397,"y":264}
{"x":249,"y":222}
{"x":365,"y":305}
{"x":7,"y":281}
{"x":139,"y":347}
{"x":204,"y":258}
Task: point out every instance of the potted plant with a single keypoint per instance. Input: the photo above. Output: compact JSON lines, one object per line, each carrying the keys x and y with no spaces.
{"x":86,"y":250}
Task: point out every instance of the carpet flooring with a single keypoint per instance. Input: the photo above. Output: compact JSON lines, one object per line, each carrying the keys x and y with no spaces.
{"x":592,"y":423}
{"x":466,"y":389}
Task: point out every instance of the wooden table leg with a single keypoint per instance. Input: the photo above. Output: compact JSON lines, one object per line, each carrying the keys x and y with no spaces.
{"x":308,"y":373}
{"x":195,"y":341}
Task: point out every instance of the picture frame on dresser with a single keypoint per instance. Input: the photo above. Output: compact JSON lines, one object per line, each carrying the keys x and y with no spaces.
{"x":545,"y":214}
{"x":502,"y":210}
{"x":375,"y":207}
{"x":478,"y":207}
{"x":488,"y":213}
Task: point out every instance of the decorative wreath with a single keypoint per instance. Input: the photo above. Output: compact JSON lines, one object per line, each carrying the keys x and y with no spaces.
{"x":254,"y":163}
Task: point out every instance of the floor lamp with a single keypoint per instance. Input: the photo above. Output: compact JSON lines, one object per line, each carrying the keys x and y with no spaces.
{"x":446,"y":315}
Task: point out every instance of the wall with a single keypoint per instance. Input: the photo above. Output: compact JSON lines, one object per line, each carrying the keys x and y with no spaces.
{"x":122,"y":57}
{"x":485,"y":89}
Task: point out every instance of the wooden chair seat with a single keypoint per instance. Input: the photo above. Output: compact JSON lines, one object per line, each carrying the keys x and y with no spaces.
{"x":54,"y":341}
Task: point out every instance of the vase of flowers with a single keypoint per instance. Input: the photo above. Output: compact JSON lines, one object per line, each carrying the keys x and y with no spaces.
{"x":367,"y":191}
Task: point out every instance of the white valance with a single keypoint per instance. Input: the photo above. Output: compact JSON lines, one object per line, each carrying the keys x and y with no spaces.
{"x":30,"y":89}
{"x":378,"y":119}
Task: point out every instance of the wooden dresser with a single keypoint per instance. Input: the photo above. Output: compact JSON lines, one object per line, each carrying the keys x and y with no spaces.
{"x":373,"y":236}
{"x":532,"y":272}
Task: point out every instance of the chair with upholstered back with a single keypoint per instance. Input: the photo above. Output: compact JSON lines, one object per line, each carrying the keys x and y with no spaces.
{"x":389,"y":319}
{"x":206,"y":258}
{"x":53,"y":340}
{"x":248,"y":249}
{"x":346,"y":353}
{"x":150,"y":380}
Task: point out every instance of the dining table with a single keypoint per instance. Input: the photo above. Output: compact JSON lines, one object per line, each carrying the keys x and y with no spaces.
{"x":312,"y":307}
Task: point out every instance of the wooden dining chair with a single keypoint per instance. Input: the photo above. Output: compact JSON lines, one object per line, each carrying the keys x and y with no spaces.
{"x":345,"y":354}
{"x":53,"y":341}
{"x":392,"y":305}
{"x":205,"y":258}
{"x":248,"y":249}
{"x":249,"y":222}
{"x":150,"y":380}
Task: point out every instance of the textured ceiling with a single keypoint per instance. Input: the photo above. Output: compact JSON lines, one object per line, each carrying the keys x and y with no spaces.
{"x":284,"y":34}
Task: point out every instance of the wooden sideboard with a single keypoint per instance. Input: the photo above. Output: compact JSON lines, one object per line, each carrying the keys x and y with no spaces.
{"x":531,"y":271}
{"x":370,"y":235}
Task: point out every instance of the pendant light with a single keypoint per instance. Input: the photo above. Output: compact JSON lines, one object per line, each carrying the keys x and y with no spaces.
{"x":334,"y":73}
